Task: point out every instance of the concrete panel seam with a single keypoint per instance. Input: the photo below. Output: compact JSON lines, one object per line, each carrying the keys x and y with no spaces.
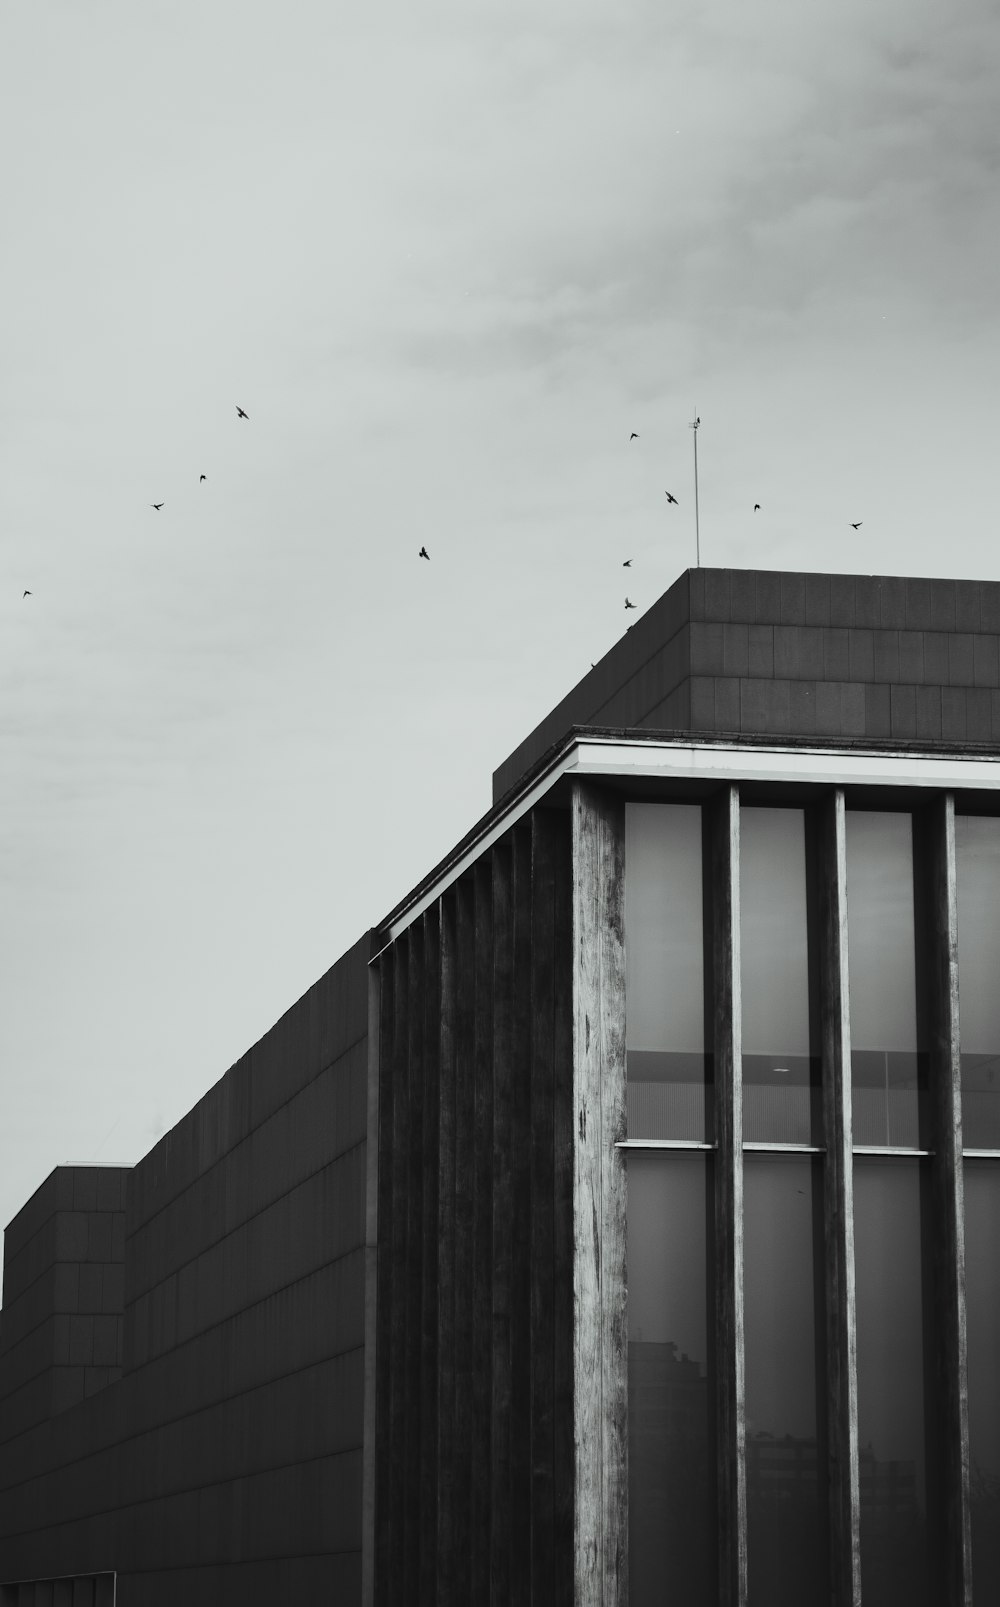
{"x":248,"y":1135}
{"x":251,"y":1305}
{"x":212,"y":1244}
{"x":114,"y":1447}
{"x":216,"y":1484}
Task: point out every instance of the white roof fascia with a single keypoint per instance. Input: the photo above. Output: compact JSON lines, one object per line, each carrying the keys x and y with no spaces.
{"x":682,"y":759}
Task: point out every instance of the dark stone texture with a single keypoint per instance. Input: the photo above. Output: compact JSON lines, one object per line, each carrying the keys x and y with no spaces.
{"x":911,"y":657}
{"x":960,"y":660}
{"x":727,"y":704}
{"x":753,"y":704}
{"x":978,"y":721}
{"x":943,"y":605}
{"x":702,"y":703}
{"x":984,"y":661}
{"x":928,"y":712}
{"x":936,"y":658}
{"x":877,"y":721}
{"x":707,"y":649}
{"x":918,"y":605}
{"x":798,"y":652}
{"x":802,"y":707}
{"x":768,"y":590}
{"x":867,"y":613}
{"x":736,"y":650}
{"x":953,"y":724}
{"x":84,"y":1189}
{"x":852,"y":705}
{"x":742,"y":596}
{"x":968,"y":615}
{"x":777,"y":707}
{"x":862,"y":655}
{"x":842,"y":603}
{"x":989,"y":605}
{"x":836,"y":655}
{"x":886,"y":655}
{"x":793,"y":599}
{"x":817,"y":599}
{"x":760,"y":651}
{"x":828,"y":715}
{"x":717,"y":594}
{"x":903,"y":712}
{"x":892,"y":603}
{"x":696,"y":593}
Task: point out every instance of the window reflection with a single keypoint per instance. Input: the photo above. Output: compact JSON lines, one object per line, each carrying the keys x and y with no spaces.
{"x":890,"y":1352}
{"x":781,"y":1075}
{"x":671,"y":1460}
{"x":786,"y":1458}
{"x":982,"y":1294}
{"x":667,"y":1091}
{"x":977,"y":843}
{"x":886,"y":1072}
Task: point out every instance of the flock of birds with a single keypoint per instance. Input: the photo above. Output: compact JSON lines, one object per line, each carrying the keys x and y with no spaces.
{"x":423,"y":553}
{"x":159,"y":505}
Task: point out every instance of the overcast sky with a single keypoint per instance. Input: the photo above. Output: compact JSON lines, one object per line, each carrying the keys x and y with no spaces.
{"x":447,"y":257}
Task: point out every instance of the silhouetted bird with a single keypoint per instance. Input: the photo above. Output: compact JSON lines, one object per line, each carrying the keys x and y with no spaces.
{"x":630,"y":605}
{"x":156,"y":505}
{"x":27,"y":594}
{"x":671,"y":499}
{"x":241,"y":413}
{"x":634,"y":436}
{"x":756,"y":507}
{"x":423,"y":553}
{"x":858,"y":525}
{"x":627,"y":564}
{"x":202,"y":477}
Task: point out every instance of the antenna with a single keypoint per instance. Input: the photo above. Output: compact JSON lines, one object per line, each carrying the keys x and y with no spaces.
{"x":697,"y":529}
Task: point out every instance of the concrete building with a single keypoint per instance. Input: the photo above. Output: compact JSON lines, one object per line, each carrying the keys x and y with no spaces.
{"x":619,"y":1220}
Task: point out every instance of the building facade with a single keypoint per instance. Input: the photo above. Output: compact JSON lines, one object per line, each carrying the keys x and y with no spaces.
{"x":618,"y":1222}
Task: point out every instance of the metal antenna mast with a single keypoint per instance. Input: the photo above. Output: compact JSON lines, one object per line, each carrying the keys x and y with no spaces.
{"x":697,"y":529}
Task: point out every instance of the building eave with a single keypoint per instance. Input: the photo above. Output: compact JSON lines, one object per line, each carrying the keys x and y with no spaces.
{"x":607,"y":753}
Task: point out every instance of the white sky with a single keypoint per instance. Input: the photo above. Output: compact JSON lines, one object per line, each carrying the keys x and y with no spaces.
{"x":447,"y":256}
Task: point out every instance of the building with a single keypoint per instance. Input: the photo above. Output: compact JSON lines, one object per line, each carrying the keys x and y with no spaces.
{"x":619,"y":1220}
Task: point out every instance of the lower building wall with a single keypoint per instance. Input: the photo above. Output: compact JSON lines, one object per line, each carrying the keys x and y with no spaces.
{"x":225,"y":1465}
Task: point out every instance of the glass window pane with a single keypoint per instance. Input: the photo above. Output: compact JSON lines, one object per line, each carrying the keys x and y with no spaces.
{"x":671,"y":1460}
{"x":886,"y":1076}
{"x":982,"y":1299}
{"x":889,"y":1292}
{"x":786,"y":1483}
{"x":667,"y":1093}
{"x":781,"y":1078}
{"x":977,"y":841}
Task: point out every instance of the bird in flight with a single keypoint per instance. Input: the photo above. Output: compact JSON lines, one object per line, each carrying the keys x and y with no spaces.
{"x":627,"y":564}
{"x":858,"y":525}
{"x":241,"y":412}
{"x":27,"y":594}
{"x":423,"y":553}
{"x":202,"y":477}
{"x":634,"y":436}
{"x":672,"y":499}
{"x":756,"y":507}
{"x":630,"y":605}
{"x":156,"y":505}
